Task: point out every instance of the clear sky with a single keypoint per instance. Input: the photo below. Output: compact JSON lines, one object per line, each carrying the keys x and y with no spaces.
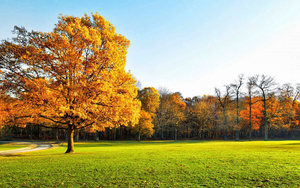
{"x":185,"y":45}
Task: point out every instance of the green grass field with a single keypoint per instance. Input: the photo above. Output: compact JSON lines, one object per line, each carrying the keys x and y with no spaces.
{"x":157,"y":164}
{"x":11,"y":146}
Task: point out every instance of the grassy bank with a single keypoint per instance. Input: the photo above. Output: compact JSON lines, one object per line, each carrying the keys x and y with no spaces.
{"x":157,"y":164}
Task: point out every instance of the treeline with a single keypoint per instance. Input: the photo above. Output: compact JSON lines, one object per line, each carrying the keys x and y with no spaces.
{"x":250,"y":108}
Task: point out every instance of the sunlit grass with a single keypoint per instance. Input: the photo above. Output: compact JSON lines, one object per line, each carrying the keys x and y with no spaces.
{"x":157,"y":164}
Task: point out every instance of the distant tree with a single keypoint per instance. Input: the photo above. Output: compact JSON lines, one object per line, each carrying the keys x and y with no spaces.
{"x":265,"y":85}
{"x":180,"y":95}
{"x":138,"y":84}
{"x":160,"y":119}
{"x":145,"y":126}
{"x":189,"y":116}
{"x":170,"y":113}
{"x":288,"y":96}
{"x":236,"y":90}
{"x":176,"y":112}
{"x":250,"y":86}
{"x":224,"y":101}
{"x":203,"y":115}
{"x":149,"y":98}
{"x":163,"y":91}
{"x":256,"y":117}
{"x":295,"y":105}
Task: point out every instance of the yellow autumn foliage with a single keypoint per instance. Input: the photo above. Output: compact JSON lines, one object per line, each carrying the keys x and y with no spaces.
{"x":73,"y":76}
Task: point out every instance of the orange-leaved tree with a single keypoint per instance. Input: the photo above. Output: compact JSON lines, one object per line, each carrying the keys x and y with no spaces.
{"x":73,"y":76}
{"x":203,"y":114}
{"x":175,"y":112}
{"x":6,"y":111}
{"x":253,"y":115}
{"x":149,"y":98}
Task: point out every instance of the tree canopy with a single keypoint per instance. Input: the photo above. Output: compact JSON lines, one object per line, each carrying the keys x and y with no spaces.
{"x":72,"y":77}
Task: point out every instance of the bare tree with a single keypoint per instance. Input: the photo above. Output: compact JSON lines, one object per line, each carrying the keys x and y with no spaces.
{"x":289,"y":91}
{"x":291,"y":95}
{"x":286,"y":90}
{"x":163,"y":91}
{"x":236,"y":90}
{"x":250,"y":86}
{"x":265,"y":84}
{"x":138,"y":84}
{"x":224,"y":101}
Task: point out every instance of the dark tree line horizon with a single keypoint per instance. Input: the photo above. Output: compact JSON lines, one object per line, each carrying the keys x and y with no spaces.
{"x":265,"y":110}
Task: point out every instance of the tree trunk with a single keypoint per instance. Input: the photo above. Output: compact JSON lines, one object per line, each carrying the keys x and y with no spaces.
{"x":266,"y":121}
{"x":84,"y":135}
{"x":266,"y":132}
{"x":250,"y":125}
{"x":128,"y":135}
{"x":139,"y":136}
{"x":115,"y":132}
{"x":250,"y":133}
{"x":237,"y":135}
{"x":56,"y":134}
{"x":96,"y":136}
{"x":272,"y":133}
{"x":293,"y":133}
{"x":162,"y":133}
{"x":175,"y":136}
{"x":3,"y":133}
{"x":250,"y":113}
{"x":225,"y":124}
{"x":187,"y":132}
{"x":70,"y":140}
{"x":9,"y":133}
{"x":237,"y":118}
{"x":155,"y":133}
{"x":107,"y":133}
{"x":77,"y":135}
{"x":30,"y":132}
{"x":121,"y":133}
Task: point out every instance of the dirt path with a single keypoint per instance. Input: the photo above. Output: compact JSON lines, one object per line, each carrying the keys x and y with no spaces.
{"x":32,"y":146}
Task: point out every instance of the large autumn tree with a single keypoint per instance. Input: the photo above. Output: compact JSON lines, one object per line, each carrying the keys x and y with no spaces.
{"x":73,"y":76}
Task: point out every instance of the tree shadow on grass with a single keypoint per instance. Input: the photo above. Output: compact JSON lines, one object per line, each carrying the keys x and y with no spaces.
{"x":135,"y":143}
{"x":293,"y":144}
{"x":40,"y":155}
{"x":12,"y":155}
{"x":93,"y":145}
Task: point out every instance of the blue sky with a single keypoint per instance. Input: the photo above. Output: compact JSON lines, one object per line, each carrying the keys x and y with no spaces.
{"x":185,"y":45}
